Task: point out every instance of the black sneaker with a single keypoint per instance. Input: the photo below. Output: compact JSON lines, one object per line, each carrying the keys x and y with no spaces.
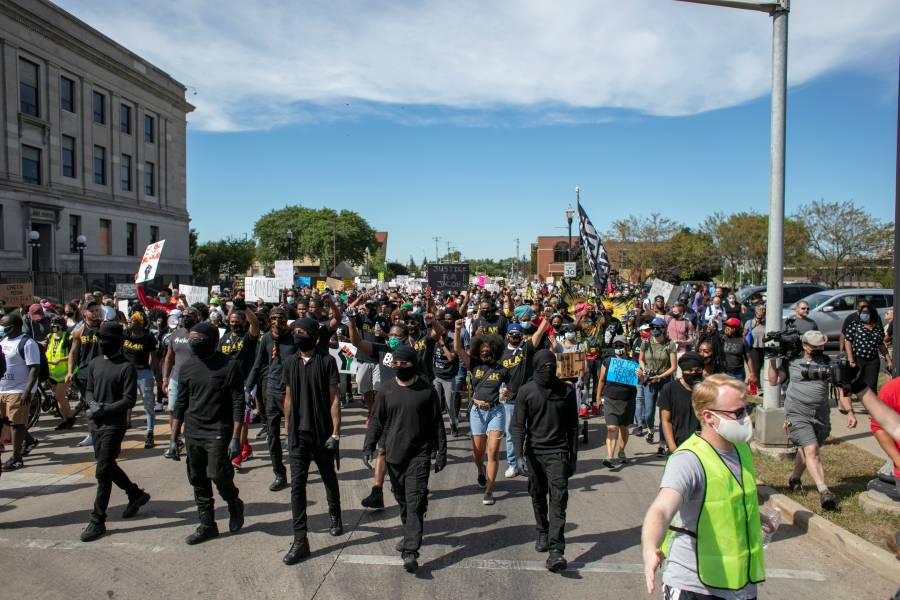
{"x":134,"y":505}
{"x":148,"y":441}
{"x":661,"y":451}
{"x":556,"y":562}
{"x":29,"y":446}
{"x":65,"y":424}
{"x":236,"y":516}
{"x":607,"y":463}
{"x":638,"y":431}
{"x":409,"y":562}
{"x":375,"y":499}
{"x":482,"y":480}
{"x":827,"y":500}
{"x":542,"y":544}
{"x":202,"y":534}
{"x":454,"y":430}
{"x":279,"y":484}
{"x":171,"y":454}
{"x":650,"y":438}
{"x":13,"y":464}
{"x":93,"y":531}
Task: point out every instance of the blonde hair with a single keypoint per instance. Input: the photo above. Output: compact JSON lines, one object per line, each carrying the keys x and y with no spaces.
{"x":707,"y":392}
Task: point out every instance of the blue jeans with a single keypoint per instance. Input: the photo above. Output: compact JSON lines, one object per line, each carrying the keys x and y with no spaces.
{"x":740,"y":375}
{"x":145,"y":384}
{"x":508,"y":409}
{"x":647,"y":408}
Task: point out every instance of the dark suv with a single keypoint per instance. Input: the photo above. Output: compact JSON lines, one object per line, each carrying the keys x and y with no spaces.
{"x":792,"y":292}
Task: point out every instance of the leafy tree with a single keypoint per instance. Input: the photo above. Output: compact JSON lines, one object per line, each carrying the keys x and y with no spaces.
{"x":843,"y":238}
{"x":316,"y":233}
{"x":645,"y":237}
{"x":230,"y":256}
{"x":395,"y":269}
{"x":192,"y":240}
{"x":412,"y":265}
{"x":687,"y":255}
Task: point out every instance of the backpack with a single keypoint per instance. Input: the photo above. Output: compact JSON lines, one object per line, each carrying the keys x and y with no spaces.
{"x":44,"y":369}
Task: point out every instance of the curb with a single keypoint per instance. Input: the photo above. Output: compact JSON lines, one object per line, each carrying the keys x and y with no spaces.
{"x":822,"y":530}
{"x":872,"y":503}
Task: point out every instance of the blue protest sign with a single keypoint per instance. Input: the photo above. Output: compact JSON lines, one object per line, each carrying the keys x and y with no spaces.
{"x":622,"y":371}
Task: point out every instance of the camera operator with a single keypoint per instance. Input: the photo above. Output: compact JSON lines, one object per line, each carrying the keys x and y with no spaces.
{"x":807,"y":411}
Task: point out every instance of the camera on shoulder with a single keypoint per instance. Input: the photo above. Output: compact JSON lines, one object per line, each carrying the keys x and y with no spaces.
{"x":837,"y":371}
{"x":784,"y":344}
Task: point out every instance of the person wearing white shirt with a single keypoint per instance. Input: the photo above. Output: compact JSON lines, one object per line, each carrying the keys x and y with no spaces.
{"x":23,"y":360}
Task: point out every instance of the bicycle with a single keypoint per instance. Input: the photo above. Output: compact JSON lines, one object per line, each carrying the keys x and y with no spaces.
{"x":44,"y":400}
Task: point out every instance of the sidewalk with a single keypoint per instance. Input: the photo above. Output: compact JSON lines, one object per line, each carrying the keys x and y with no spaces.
{"x":861,"y":436}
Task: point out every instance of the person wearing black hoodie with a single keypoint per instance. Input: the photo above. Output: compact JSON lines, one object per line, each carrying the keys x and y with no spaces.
{"x":210,"y":403}
{"x":111,"y":391}
{"x":407,"y":413}
{"x":545,"y":432}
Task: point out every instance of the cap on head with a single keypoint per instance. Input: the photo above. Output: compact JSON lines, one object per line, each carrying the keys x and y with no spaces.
{"x":36,"y":310}
{"x":733,"y":322}
{"x":620,"y":339}
{"x":404,"y":353}
{"x":690,"y":360}
{"x":207,"y":330}
{"x":514,"y":328}
{"x":658,"y":322}
{"x":307,"y":324}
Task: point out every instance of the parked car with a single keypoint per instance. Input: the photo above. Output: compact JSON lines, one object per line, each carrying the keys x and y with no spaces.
{"x":791,"y":293}
{"x":829,"y":308}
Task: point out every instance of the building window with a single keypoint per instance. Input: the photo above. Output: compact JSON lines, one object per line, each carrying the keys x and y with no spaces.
{"x":74,"y":232}
{"x":125,"y":168}
{"x":149,"y":134}
{"x":105,"y":237}
{"x":68,"y":156}
{"x":28,"y":88}
{"x":99,"y":165}
{"x":154,"y":233}
{"x":67,"y":94}
{"x":125,"y":119}
{"x":99,"y":108}
{"x":2,"y":246}
{"x":131,"y":239}
{"x":560,"y":252}
{"x":149,"y":179}
{"x":31,"y":165}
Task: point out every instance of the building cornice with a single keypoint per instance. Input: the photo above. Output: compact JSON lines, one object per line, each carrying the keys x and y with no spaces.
{"x":63,"y":198}
{"x":34,"y":23}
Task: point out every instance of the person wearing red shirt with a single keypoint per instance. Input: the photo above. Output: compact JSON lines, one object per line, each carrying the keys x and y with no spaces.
{"x":890,"y":395}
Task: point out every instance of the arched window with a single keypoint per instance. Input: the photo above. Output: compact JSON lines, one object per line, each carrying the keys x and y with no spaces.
{"x":560,"y":252}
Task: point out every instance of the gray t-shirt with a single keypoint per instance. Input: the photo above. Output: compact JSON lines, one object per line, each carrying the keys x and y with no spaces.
{"x":179,"y":344}
{"x":685,"y":475}
{"x":805,"y":397}
{"x":804,"y":324}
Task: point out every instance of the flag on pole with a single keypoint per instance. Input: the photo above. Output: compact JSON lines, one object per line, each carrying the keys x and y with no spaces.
{"x":596,"y":253}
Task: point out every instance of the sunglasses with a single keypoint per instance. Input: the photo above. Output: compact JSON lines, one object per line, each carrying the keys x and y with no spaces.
{"x":737,"y":414}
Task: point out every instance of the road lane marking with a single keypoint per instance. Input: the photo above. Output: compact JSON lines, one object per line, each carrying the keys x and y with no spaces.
{"x":44,"y":544}
{"x":536,"y":565}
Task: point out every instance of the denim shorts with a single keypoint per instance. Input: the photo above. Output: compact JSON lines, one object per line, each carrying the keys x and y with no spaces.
{"x":173,"y":394}
{"x":481,"y":421}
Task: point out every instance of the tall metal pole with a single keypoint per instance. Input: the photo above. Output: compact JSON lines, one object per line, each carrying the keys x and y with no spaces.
{"x":436,"y":240}
{"x":896,"y":346}
{"x":334,"y":243}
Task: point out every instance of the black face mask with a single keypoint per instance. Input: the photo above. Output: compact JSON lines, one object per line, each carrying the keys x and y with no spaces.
{"x":110,"y":346}
{"x":202,"y":347}
{"x":544,"y":377}
{"x":692,"y":379}
{"x":238,"y":329}
{"x":304,"y":343}
{"x":405,"y":373}
{"x":188,"y":322}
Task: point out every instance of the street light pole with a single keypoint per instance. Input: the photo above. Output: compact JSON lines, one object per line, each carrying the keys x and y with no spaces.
{"x":570,"y":213}
{"x":34,"y":240}
{"x":290,"y":239}
{"x":80,"y":245}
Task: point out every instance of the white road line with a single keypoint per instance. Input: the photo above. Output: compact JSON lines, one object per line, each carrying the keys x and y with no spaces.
{"x":536,"y":565}
{"x":42,"y":544}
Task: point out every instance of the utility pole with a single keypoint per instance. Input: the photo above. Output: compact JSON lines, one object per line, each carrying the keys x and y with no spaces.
{"x":448,"y":250}
{"x":518,"y":270}
{"x":334,"y":243}
{"x":436,"y":257}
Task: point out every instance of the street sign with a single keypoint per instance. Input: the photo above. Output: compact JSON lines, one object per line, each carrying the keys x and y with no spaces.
{"x":569,"y":269}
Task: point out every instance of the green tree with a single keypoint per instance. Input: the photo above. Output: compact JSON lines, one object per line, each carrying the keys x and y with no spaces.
{"x":192,"y":240}
{"x":395,"y":268}
{"x":646,"y":237}
{"x":230,"y":256}
{"x":317,"y":234}
{"x":687,"y":255}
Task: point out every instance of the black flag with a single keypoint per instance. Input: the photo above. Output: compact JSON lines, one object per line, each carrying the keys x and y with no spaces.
{"x":596,"y":253}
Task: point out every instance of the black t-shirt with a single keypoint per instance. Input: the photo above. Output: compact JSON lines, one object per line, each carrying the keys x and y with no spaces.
{"x":674,"y":398}
{"x":409,"y":418}
{"x":90,"y":345}
{"x":517,"y":362}
{"x":486,"y":381}
{"x":425,"y":350}
{"x":210,"y":397}
{"x":495,"y":325}
{"x":111,"y":382}
{"x":310,"y":382}
{"x":137,"y":350}
{"x":443,"y":367}
{"x":733,"y":351}
{"x":617,"y":392}
{"x":240,"y":348}
{"x":366,"y":327}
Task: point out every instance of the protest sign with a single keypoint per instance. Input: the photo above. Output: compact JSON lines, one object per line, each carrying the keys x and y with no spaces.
{"x":448,"y":276}
{"x":304,"y":281}
{"x":569,"y":364}
{"x":334,"y":284}
{"x":284,"y":274}
{"x":194,"y":293}
{"x":348,"y":283}
{"x":665,"y":289}
{"x":264,"y":288}
{"x":123,"y":307}
{"x":320,"y":285}
{"x":150,"y":262}
{"x":345,"y":357}
{"x":215,"y":289}
{"x":126,"y":291}
{"x":622,"y":371}
{"x":16,"y":294}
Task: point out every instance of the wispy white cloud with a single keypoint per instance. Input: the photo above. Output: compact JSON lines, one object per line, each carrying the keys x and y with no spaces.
{"x":266,"y":64}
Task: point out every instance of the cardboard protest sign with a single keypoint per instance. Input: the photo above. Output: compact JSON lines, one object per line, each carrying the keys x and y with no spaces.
{"x":16,"y":294}
{"x":623,"y":372}
{"x":194,"y":293}
{"x":665,"y":289}
{"x":150,"y":262}
{"x":126,"y":291}
{"x":569,"y":364}
{"x":264,"y":288}
{"x":284,"y":274}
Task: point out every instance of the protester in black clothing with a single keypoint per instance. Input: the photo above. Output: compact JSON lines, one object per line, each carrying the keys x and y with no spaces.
{"x":111,"y":388}
{"x":408,"y":415}
{"x":619,"y":402}
{"x":676,"y":409}
{"x":275,"y":349}
{"x":314,"y":425}
{"x":545,"y":431}
{"x":239,"y":343}
{"x":445,"y":366}
{"x":487,"y":321}
{"x":85,"y":347}
{"x":210,"y":403}
{"x":712,"y":362}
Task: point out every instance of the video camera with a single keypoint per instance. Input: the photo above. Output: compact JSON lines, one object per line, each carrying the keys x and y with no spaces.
{"x":783,"y":344}
{"x":838,"y":372}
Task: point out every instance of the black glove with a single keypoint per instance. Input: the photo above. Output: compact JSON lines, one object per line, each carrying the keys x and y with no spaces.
{"x":521,"y":465}
{"x":571,"y":464}
{"x":440,"y":462}
{"x":332,"y":443}
{"x":234,"y":448}
{"x":368,"y":457}
{"x":96,"y":410}
{"x":173,"y":450}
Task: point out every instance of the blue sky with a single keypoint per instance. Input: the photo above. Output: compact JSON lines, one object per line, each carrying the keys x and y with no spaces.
{"x":476,"y":123}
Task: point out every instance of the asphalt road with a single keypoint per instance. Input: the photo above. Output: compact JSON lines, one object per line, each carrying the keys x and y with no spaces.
{"x":470,"y":550}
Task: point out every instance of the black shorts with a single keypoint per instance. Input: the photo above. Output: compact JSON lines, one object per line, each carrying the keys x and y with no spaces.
{"x":619,"y":412}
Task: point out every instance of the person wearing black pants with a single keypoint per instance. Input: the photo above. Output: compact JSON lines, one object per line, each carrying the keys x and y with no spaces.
{"x":210,"y":403}
{"x":314,"y":424}
{"x":407,"y":412}
{"x":111,"y":389}
{"x":545,"y":430}
{"x":275,"y":349}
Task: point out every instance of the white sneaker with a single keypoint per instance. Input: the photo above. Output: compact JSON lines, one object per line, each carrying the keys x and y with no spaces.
{"x":511,"y":472}
{"x":87,"y":441}
{"x":158,"y":407}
